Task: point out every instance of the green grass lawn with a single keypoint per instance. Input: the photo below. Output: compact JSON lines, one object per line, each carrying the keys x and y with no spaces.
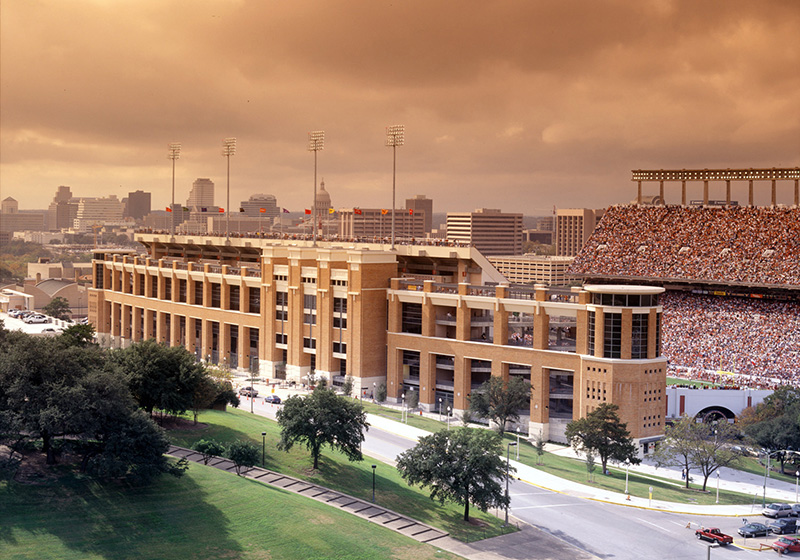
{"x":692,"y":382}
{"x":336,"y":472}
{"x":206,"y":514}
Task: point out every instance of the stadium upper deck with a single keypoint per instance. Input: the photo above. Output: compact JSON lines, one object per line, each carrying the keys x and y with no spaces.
{"x":753,"y":247}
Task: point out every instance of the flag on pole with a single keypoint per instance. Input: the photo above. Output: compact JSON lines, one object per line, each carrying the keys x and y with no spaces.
{"x":410,"y":211}
{"x":221,"y":210}
{"x":184,"y":208}
{"x":204,"y":209}
{"x":241,"y":209}
{"x":285,"y":211}
{"x":384,"y":211}
{"x":357,"y":211}
{"x":169,"y":209}
{"x":331,"y":210}
{"x":262,"y":210}
{"x":308,"y":211}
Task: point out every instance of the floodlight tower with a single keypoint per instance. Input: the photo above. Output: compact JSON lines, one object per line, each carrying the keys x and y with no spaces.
{"x":228,"y":149}
{"x":395,"y":136}
{"x":173,"y":154}
{"x":316,"y":141}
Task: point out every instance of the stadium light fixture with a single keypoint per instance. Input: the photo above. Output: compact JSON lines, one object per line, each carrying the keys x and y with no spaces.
{"x":395,"y":136}
{"x":316,"y":141}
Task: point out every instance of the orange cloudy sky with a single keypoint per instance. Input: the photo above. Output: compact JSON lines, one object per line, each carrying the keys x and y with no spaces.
{"x":518,"y":105}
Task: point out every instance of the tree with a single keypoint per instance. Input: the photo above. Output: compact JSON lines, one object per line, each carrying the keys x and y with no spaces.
{"x":713,"y":448}
{"x":679,"y":444}
{"x":244,"y":455}
{"x":160,"y":376}
{"x":500,"y":401}
{"x":412,"y":399}
{"x":602,"y":432}
{"x":462,"y":466}
{"x":347,"y":386}
{"x":323,"y":418}
{"x":210,"y":392}
{"x":209,"y":449}
{"x":78,"y":335}
{"x":58,"y":308}
{"x":538,"y":446}
{"x":780,"y":432}
{"x":591,"y":465}
{"x":380,"y":392}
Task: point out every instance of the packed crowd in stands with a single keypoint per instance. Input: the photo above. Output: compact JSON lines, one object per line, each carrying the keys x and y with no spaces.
{"x":755,"y":342}
{"x":731,"y":245}
{"x":428,"y":242}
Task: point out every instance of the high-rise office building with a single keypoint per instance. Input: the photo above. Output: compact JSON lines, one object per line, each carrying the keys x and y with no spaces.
{"x":573,"y":228}
{"x":490,"y":231}
{"x":252,"y":206}
{"x":62,"y":211}
{"x":202,"y":194}
{"x":138,"y":205}
{"x":420,"y":204}
{"x":377,"y":222}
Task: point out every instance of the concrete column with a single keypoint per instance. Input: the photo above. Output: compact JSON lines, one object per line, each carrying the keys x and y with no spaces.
{"x":661,"y":190}
{"x":683,"y":193}
{"x":652,"y":325}
{"x":750,"y":194}
{"x":727,"y":193}
{"x":705,"y":192}
{"x":138,"y":312}
{"x":774,"y":194}
{"x":627,"y":332}
{"x":427,"y":379}
{"x":462,"y":383}
{"x":599,"y":332}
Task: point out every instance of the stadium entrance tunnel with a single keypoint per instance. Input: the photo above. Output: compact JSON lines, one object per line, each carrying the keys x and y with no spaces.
{"x":715,"y":413}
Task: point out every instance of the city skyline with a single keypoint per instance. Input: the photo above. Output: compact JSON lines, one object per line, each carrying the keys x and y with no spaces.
{"x":541,"y":104}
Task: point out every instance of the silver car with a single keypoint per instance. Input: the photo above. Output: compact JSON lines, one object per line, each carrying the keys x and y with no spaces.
{"x":777,"y":510}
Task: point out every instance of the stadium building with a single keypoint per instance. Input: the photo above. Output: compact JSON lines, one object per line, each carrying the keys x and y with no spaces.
{"x":731,"y":274}
{"x":435,"y":319}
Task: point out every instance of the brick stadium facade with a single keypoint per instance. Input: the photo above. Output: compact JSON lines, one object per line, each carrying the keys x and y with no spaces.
{"x":435,"y":319}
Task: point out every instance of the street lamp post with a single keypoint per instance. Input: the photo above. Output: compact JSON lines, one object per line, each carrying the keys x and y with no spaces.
{"x":717,"y":486}
{"x":395,"y":136}
{"x":228,"y":149}
{"x":517,"y":449}
{"x":263,"y":447}
{"x":373,"y":482}
{"x":440,"y":409}
{"x":174,"y":154}
{"x":508,"y":462}
{"x":796,"y":484}
{"x":404,"y":411}
{"x":316,"y":142}
{"x":448,"y":417}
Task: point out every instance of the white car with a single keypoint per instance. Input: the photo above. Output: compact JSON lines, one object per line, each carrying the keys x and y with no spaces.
{"x":37,"y":319}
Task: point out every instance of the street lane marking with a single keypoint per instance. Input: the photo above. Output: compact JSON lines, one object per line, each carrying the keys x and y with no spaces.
{"x":547,"y":506}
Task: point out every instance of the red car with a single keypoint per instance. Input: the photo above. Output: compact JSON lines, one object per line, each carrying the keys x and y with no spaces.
{"x":786,"y":544}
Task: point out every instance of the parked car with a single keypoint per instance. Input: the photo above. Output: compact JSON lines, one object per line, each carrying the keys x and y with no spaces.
{"x":786,"y":544}
{"x":778,"y":510}
{"x":37,"y":319}
{"x":713,"y":534}
{"x":796,"y":509}
{"x":50,"y":330}
{"x":783,"y":526}
{"x":754,"y":530}
{"x":248,"y":392}
{"x":273,"y":399}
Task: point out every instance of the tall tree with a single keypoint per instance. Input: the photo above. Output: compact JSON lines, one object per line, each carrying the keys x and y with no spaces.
{"x":58,"y":308}
{"x":323,"y":418}
{"x":501,"y":401}
{"x":679,"y":444}
{"x":778,"y":433}
{"x":713,"y":448}
{"x":159,"y":376}
{"x":602,"y":432}
{"x":463,"y":466}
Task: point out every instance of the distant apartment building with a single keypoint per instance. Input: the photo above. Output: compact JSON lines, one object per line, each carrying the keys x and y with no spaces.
{"x":537,"y":236}
{"x":420,"y":204}
{"x":97,"y":211}
{"x":534,"y":269}
{"x":138,"y":205}
{"x":11,"y":219}
{"x":377,"y":222}
{"x":490,"y":231}
{"x":573,"y":228}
